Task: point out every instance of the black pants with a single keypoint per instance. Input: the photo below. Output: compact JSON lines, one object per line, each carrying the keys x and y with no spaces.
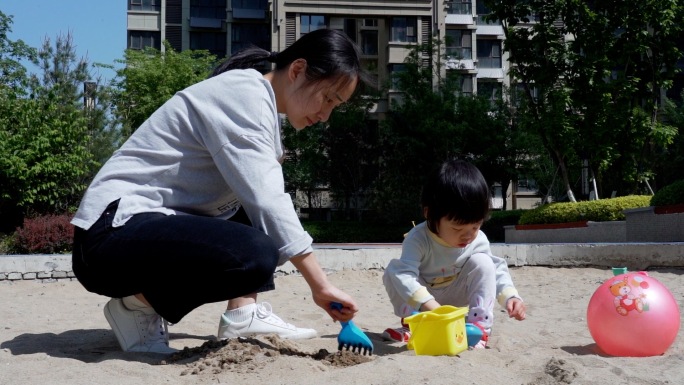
{"x":178,"y":262}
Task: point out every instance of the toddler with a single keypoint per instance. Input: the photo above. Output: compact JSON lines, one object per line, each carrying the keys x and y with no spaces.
{"x":446,"y":260}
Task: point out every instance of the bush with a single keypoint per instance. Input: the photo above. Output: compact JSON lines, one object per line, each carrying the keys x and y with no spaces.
{"x":494,"y":226}
{"x":603,"y":210}
{"x":47,"y":234}
{"x":669,"y":195}
{"x":5,"y":244}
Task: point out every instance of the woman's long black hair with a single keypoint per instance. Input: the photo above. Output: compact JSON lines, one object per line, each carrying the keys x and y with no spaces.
{"x":329,"y":54}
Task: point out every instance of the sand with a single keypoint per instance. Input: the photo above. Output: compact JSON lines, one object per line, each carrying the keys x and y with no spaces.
{"x":55,"y":333}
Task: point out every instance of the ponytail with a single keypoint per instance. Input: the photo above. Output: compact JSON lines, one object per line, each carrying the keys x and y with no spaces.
{"x":329,"y":54}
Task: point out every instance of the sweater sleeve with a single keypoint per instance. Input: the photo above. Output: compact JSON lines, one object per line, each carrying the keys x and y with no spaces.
{"x":505,"y":289}
{"x":403,"y":272}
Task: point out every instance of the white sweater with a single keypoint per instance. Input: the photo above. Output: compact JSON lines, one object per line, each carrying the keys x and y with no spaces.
{"x":209,"y":149}
{"x":427,"y":256}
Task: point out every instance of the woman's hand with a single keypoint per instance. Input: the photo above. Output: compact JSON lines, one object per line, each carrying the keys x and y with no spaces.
{"x":323,"y":292}
{"x":325,"y":298}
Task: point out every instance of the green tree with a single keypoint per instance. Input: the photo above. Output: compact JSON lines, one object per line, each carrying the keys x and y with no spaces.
{"x":592,"y":74}
{"x":352,"y":148}
{"x":306,"y":165}
{"x":151,"y":77}
{"x":418,"y":133}
{"x":338,"y":156}
{"x":44,"y":154}
{"x":44,"y":136}
{"x":68,"y":81}
{"x":539,"y":63}
{"x":13,"y":74}
{"x":494,"y":142}
{"x":671,"y":160}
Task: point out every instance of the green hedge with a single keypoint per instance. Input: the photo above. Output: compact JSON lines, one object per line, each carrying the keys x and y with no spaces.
{"x":494,"y":226}
{"x":669,"y":195}
{"x":602,"y":210}
{"x":369,"y":232}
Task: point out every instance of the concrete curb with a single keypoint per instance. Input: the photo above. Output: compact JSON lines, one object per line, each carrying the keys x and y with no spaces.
{"x":334,"y":257}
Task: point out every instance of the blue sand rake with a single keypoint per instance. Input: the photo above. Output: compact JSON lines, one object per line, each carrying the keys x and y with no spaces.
{"x":352,"y":337}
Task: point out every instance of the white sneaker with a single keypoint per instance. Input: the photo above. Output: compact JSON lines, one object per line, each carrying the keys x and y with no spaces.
{"x":138,"y":330}
{"x":261,"y":321}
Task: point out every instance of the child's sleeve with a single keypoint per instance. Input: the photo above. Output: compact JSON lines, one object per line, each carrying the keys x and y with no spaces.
{"x":505,"y":289}
{"x":403,"y":273}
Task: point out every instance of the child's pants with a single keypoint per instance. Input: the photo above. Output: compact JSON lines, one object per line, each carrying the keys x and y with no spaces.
{"x":474,"y":287}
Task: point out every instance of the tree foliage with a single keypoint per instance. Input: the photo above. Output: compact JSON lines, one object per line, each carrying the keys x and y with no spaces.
{"x":432,"y":122}
{"x":307,"y":164}
{"x":419,"y":132}
{"x":44,"y":131}
{"x":592,"y":73}
{"x":150,"y":77}
{"x":12,"y":73}
{"x":339,"y":156}
{"x":352,"y":147}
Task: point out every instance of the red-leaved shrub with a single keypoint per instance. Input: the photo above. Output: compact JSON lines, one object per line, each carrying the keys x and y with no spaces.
{"x":48,"y":234}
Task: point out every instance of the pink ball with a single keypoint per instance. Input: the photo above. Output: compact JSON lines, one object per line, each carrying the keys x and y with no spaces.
{"x":633,"y":315}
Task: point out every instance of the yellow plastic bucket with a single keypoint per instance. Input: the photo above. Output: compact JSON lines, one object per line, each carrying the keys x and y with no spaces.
{"x":440,"y":332}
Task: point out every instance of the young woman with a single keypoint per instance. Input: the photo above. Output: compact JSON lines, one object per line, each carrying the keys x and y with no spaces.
{"x":153,"y":230}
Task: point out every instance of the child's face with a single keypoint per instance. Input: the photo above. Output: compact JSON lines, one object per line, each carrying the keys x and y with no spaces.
{"x":457,"y":234}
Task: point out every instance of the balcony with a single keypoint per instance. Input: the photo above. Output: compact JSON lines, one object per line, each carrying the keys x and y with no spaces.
{"x":458,"y":13}
{"x":491,"y":28}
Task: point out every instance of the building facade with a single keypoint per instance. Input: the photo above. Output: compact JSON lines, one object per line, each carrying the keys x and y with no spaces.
{"x":385,"y":31}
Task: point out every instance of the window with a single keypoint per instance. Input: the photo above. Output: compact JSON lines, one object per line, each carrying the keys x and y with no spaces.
{"x":459,"y":44}
{"x":527,"y":185}
{"x":144,"y":5}
{"x":404,"y":29}
{"x":249,"y":4}
{"x":210,"y":9}
{"x":466,"y":85}
{"x":350,"y":29}
{"x":482,"y":9}
{"x":369,"y":42}
{"x":459,"y":7}
{"x":245,"y":35}
{"x":490,"y":90}
{"x":142,"y":39}
{"x":489,"y":53}
{"x":394,"y":71}
{"x":311,"y":23}
{"x":370,"y":22}
{"x":214,"y":42}
{"x":482,"y":12}
{"x":519,"y":93}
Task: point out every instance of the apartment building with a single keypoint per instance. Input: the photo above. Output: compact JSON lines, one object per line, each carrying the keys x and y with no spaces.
{"x":384,"y":29}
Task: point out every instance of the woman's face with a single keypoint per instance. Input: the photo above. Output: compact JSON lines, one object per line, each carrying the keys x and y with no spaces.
{"x":308,"y":104}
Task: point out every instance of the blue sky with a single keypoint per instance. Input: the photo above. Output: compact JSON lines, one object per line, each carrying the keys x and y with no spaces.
{"x":98,"y":27}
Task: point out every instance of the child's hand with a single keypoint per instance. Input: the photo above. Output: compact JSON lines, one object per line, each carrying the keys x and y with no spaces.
{"x":515,"y":308}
